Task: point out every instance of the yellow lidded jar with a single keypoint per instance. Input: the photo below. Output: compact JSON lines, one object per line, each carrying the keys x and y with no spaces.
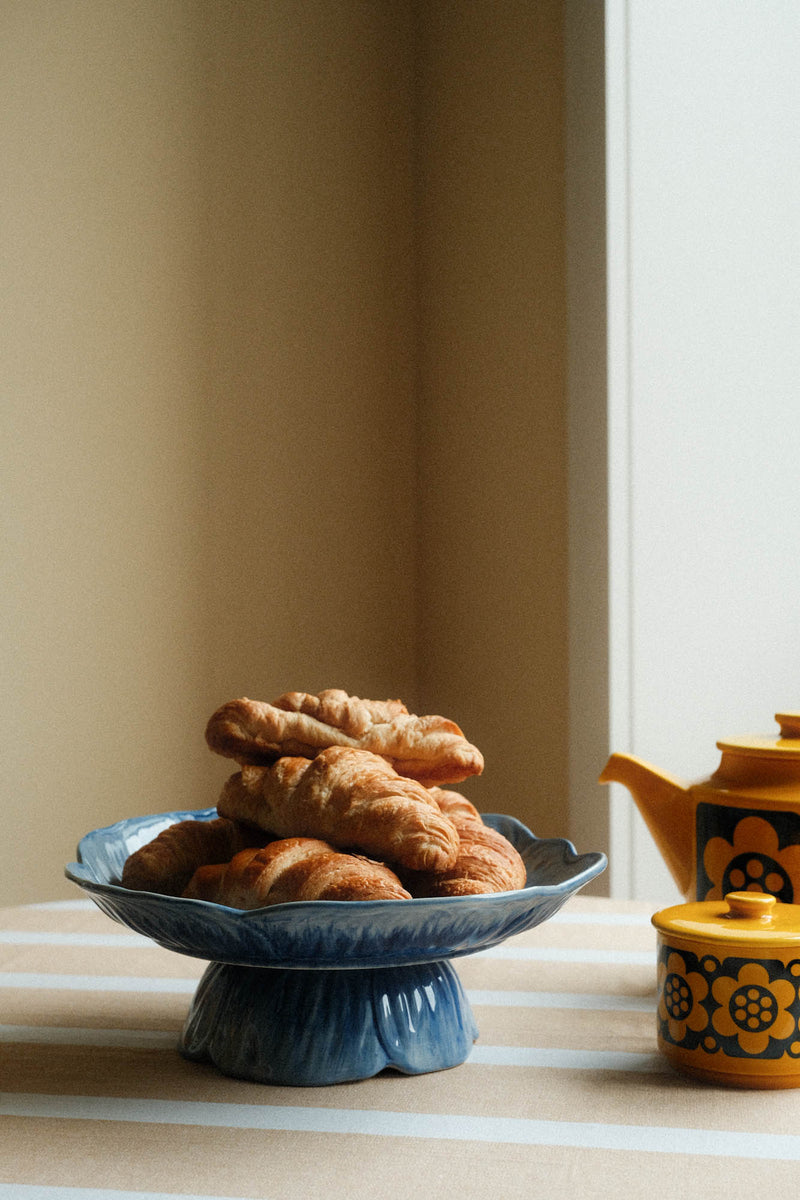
{"x":728,"y":998}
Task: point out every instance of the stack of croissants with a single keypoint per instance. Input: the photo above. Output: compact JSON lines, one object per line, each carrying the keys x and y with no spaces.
{"x":336,"y":798}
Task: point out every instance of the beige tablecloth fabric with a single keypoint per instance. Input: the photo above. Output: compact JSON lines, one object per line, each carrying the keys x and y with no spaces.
{"x":564,"y":1094}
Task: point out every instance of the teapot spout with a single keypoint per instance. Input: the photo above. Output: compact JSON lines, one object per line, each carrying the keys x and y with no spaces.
{"x":665,"y":804}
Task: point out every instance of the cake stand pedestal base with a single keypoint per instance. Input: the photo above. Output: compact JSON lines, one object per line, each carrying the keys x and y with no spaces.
{"x":315,"y":1027}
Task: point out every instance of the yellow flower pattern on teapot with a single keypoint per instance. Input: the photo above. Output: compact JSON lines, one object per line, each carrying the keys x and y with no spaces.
{"x":752,"y":860}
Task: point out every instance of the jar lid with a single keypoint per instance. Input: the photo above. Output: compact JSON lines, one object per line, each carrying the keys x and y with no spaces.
{"x":741,"y":919}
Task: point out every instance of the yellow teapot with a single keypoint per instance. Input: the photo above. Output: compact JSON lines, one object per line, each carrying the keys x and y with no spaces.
{"x":738,"y":830}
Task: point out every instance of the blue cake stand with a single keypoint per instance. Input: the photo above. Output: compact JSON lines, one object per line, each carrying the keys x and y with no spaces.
{"x":321,"y":992}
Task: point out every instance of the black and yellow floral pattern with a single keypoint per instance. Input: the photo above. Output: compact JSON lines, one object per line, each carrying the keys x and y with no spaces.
{"x":747,"y":850}
{"x":732,"y":1006}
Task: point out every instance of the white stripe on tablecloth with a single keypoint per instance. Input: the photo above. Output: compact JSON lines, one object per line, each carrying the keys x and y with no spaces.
{"x":486,"y":997}
{"x":481,"y":1055}
{"x":457,"y":1127}
{"x":566,"y":917}
{"x":95,"y":983}
{"x":38,"y":1191}
{"x":568,"y":1060}
{"x":594,"y":1001}
{"x":24,"y":937}
{"x":569,"y":954}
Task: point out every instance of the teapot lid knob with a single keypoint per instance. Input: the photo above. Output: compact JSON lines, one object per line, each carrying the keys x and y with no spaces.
{"x":789,"y":723}
{"x":750,"y":906}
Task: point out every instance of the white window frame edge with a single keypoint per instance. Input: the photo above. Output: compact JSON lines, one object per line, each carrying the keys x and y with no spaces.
{"x":599,"y":424}
{"x":619,"y":403}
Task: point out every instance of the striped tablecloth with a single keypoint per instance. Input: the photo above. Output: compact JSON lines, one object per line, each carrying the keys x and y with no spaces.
{"x":563,"y":1095}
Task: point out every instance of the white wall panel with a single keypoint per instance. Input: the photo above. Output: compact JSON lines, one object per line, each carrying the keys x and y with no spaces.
{"x":704,"y":387}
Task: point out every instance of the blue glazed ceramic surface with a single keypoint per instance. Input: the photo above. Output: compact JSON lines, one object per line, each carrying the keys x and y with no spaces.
{"x":314,"y":1028}
{"x":328,"y":934}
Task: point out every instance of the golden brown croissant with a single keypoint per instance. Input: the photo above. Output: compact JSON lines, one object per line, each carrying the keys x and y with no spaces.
{"x":294,"y":869}
{"x":486,"y":862}
{"x":350,"y":798}
{"x":167,"y":863}
{"x":431,"y":749}
{"x":454,"y":805}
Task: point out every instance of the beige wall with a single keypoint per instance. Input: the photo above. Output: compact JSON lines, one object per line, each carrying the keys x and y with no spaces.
{"x":310,"y":352}
{"x":105,"y":676}
{"x":283,"y":390}
{"x":493,"y":533}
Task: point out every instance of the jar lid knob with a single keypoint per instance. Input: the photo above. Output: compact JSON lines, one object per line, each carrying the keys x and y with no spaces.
{"x":750,"y":906}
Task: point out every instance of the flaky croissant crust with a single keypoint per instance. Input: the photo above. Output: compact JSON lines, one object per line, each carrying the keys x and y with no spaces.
{"x":338,"y":798}
{"x":486,"y":861}
{"x":350,"y":798}
{"x":294,"y":869}
{"x":167,"y":863}
{"x":430,"y":749}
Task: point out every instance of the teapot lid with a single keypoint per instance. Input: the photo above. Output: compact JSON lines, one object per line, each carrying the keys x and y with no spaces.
{"x":741,"y":919}
{"x":784,"y":745}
